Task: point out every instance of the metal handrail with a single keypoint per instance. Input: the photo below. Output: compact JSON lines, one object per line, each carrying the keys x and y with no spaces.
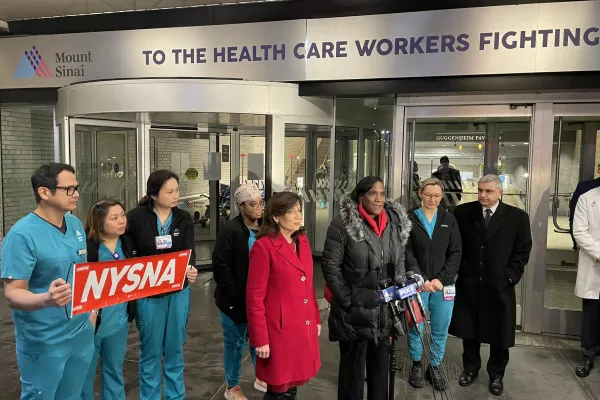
{"x":555,"y":203}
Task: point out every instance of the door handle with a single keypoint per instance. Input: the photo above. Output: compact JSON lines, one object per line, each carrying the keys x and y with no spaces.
{"x":555,"y":201}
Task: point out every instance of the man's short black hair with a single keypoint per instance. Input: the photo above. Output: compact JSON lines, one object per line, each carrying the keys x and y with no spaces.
{"x":444,"y":159}
{"x":46,"y":176}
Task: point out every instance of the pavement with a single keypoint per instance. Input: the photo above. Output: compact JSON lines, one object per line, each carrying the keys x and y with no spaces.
{"x":541,"y":367}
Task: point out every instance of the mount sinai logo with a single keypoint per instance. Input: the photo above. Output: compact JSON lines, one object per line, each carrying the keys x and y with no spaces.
{"x":33,"y":65}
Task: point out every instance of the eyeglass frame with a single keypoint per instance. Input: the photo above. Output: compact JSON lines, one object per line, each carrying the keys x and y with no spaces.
{"x":73,"y":189}
{"x":256,"y":206}
{"x":433,"y":196}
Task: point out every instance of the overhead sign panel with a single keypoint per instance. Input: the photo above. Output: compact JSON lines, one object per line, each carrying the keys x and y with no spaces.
{"x":531,"y":38}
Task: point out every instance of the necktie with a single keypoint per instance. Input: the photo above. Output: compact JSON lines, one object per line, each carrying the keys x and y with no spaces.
{"x":488,"y":216}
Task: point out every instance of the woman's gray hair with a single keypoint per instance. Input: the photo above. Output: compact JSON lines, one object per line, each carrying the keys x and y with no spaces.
{"x":491,"y":178}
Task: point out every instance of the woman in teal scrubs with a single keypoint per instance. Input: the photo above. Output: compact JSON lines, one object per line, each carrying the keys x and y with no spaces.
{"x":434,"y":248}
{"x":106,"y":240}
{"x":158,"y":226}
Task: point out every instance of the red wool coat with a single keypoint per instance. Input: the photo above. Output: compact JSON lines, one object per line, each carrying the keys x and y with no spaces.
{"x":282,"y":310}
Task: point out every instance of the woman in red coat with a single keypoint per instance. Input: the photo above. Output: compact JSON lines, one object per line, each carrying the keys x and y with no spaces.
{"x":283,"y":316}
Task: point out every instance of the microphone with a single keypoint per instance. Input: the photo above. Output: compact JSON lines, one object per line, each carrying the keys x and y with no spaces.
{"x":386,"y":292}
{"x":385,"y":287}
{"x":418,"y":278}
{"x":410,"y":289}
{"x":420,"y":282}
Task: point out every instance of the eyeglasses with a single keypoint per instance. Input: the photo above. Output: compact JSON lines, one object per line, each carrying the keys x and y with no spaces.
{"x":70,"y":190}
{"x":432,"y":196}
{"x":256,"y":206}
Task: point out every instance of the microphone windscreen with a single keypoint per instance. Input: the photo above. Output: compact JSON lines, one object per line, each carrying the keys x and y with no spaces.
{"x":399,"y":279}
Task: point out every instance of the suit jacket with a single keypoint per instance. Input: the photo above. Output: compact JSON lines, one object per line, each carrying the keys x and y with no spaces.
{"x":493,"y":262}
{"x":586,"y":229}
{"x":282,"y":310}
{"x":582,"y":187}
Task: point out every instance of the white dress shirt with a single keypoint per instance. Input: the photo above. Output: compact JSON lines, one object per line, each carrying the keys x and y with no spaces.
{"x":493,"y":208}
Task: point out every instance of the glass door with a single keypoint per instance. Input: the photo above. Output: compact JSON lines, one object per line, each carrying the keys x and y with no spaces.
{"x":252,"y":158}
{"x":307,"y":163}
{"x":204,"y":179}
{"x":575,"y":158}
{"x":104,"y":155}
{"x":358,"y":152}
{"x":460,"y":144}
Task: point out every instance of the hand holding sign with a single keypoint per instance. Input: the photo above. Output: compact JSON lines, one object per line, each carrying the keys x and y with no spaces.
{"x":103,"y":284}
{"x":59,"y":293}
{"x":191,"y":274}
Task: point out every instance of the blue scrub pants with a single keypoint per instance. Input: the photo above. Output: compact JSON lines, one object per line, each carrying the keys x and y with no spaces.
{"x":111,"y":351}
{"x":162,"y":324}
{"x":440,"y":314}
{"x":55,"y":375}
{"x":235,"y":337}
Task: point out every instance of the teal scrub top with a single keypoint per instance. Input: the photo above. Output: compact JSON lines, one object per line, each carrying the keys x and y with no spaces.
{"x":164,"y":230}
{"x":251,"y":239}
{"x":114,"y":318}
{"x":38,"y":252}
{"x":429,"y":226}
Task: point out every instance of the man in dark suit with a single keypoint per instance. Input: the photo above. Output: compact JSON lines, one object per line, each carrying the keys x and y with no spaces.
{"x":496,"y":240}
{"x":582,"y":187}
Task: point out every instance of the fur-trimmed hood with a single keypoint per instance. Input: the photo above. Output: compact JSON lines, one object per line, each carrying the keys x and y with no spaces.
{"x":353,"y":221}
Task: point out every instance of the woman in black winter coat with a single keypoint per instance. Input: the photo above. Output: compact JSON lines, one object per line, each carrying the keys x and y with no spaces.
{"x":434,"y":248}
{"x":364,"y":245}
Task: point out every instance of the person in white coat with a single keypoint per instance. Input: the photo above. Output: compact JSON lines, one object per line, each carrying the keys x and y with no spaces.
{"x":586,"y":231}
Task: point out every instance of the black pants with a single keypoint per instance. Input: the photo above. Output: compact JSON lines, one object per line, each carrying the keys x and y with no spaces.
{"x":354,"y":356}
{"x":590,"y":330}
{"x":472,"y":359}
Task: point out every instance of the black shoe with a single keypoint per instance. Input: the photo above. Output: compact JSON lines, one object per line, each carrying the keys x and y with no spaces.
{"x":467,"y":378}
{"x":496,"y":386}
{"x":279,"y":396}
{"x":436,"y":378}
{"x":274,"y":396}
{"x":292,"y":392}
{"x":415,"y":379}
{"x":584,"y":369}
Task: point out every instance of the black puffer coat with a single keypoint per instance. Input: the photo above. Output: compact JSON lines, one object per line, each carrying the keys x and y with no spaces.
{"x":354,"y":261}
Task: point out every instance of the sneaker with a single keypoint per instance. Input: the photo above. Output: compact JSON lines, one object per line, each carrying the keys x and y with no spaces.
{"x":260,"y":386}
{"x":416,"y":376}
{"x":435,"y":377}
{"x":235,"y":393}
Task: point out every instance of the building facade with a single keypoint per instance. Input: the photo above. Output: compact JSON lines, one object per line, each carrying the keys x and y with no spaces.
{"x":314,"y":105}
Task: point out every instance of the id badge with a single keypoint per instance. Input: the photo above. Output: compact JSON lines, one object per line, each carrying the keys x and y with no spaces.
{"x":449,"y":293}
{"x":163,"y":242}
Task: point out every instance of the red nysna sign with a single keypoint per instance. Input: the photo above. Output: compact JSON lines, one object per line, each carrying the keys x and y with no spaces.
{"x":103,"y":284}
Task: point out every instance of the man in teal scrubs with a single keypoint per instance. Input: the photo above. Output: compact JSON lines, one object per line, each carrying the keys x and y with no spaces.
{"x":54,"y":351}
